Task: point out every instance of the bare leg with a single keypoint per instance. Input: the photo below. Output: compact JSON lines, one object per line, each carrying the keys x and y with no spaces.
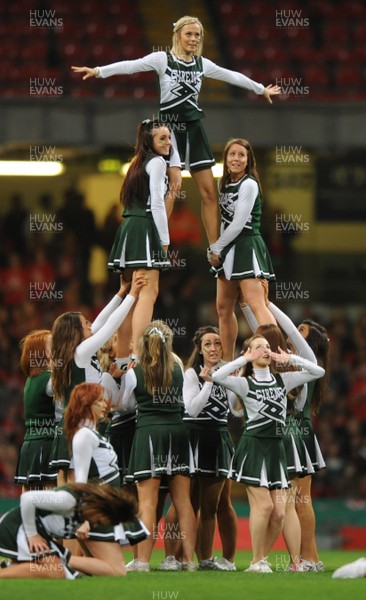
{"x":277,"y":518}
{"x":305,"y":511}
{"x":144,"y":307}
{"x":261,"y":508}
{"x":172,"y":542}
{"x":228,"y":522}
{"x":93,"y":566}
{"x":148,"y":492}
{"x":179,"y":487}
{"x":124,"y":336}
{"x":210,"y":490}
{"x":108,"y":553}
{"x":175,"y":184}
{"x":226,"y":297}
{"x":206,"y":185}
{"x":49,"y":567}
{"x":292,"y":529}
{"x":253,"y":293}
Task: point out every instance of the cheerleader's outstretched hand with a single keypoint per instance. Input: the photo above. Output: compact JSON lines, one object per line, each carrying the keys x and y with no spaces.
{"x":271,"y":90}
{"x":89,"y":72}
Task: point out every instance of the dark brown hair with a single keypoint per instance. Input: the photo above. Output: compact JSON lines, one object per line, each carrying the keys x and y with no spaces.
{"x":67,"y":334}
{"x":135,"y":187}
{"x":195,"y":359}
{"x":251,"y":168}
{"x":104,"y":504}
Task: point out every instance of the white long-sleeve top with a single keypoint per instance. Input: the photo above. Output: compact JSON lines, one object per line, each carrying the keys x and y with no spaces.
{"x":291,"y":379}
{"x":88,"y":446}
{"x":103,"y":327}
{"x":56,"y":503}
{"x":298,"y":341}
{"x":265,"y":398}
{"x":156,"y":169}
{"x":242,"y":209}
{"x":207,"y":396}
{"x":169,"y":80}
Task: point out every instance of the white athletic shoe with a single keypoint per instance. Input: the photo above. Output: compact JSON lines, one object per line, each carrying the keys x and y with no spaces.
{"x":295,"y":568}
{"x":309,"y":565}
{"x":262,"y":566}
{"x":189,"y":566}
{"x":208,"y":564}
{"x":320,"y":566}
{"x":138,"y":566}
{"x":170,"y":563}
{"x":224,"y":564}
{"x":353,"y":570}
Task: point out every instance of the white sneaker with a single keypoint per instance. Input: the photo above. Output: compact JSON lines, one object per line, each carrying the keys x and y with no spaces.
{"x":224,"y":564}
{"x":170,"y":563}
{"x":353,"y":570}
{"x":309,"y":565}
{"x":295,"y":568}
{"x":138,"y":566}
{"x":189,"y":566}
{"x":262,"y":566}
{"x":320,"y":566}
{"x":208,"y":564}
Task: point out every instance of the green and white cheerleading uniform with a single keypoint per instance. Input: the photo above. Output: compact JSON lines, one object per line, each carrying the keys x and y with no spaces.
{"x":161,"y":445}
{"x":86,"y":367}
{"x":298,"y":457}
{"x":205,"y":418}
{"x":240,"y":246}
{"x":179,"y":87}
{"x":52,"y":514}
{"x":303,"y":400}
{"x":259,"y":458}
{"x":39,"y":412}
{"x":93,"y":458}
{"x":144,"y":230}
{"x":120,"y":432}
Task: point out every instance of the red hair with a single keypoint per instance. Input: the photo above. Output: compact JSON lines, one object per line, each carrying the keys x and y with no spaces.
{"x":34,"y":359}
{"x":79,"y":409}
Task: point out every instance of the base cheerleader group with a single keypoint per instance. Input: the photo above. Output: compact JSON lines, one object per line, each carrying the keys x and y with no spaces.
{"x":116,"y":423}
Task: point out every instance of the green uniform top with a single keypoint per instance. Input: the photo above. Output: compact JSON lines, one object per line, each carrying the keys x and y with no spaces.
{"x":39,"y":409}
{"x":165,"y":407}
{"x":228,"y":201}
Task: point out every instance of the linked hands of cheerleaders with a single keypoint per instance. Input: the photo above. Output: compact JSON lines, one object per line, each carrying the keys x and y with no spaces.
{"x":205,"y":373}
{"x":89,"y":72}
{"x":138,"y":282}
{"x":83,"y":532}
{"x":271,"y":90}
{"x":37,"y":544}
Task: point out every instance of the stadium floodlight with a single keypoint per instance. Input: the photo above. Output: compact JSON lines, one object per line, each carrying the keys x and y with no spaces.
{"x":28,"y":168}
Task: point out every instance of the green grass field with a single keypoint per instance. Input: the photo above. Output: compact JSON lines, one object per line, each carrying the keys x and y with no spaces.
{"x":200,"y":585}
